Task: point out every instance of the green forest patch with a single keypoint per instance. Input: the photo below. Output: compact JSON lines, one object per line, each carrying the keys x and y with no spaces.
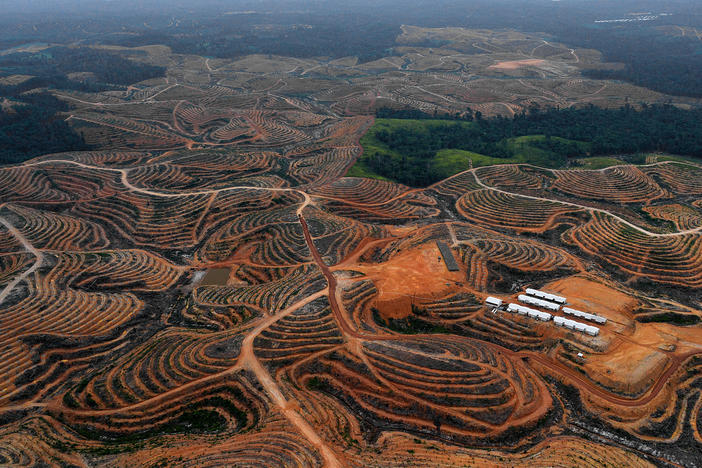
{"x":417,"y":149}
{"x":421,"y":152}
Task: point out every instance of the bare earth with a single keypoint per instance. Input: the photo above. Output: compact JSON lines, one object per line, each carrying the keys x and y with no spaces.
{"x":328,"y":331}
{"x":514,"y":64}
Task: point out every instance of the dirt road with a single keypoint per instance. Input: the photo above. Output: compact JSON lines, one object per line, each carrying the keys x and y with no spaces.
{"x":30,"y":248}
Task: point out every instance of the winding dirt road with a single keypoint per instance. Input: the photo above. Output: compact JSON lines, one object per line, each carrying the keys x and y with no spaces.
{"x":30,"y":248}
{"x":585,"y":207}
{"x":130,"y":186}
{"x":578,"y":379}
{"x":248,"y":360}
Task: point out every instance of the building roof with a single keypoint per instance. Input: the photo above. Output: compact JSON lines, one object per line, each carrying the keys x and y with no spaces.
{"x":585,"y":315}
{"x":545,"y":295}
{"x":538,"y":302}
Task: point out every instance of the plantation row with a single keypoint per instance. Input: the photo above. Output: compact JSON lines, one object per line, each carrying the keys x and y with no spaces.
{"x":71,"y":298}
{"x":297,"y":336}
{"x":615,"y":185}
{"x":335,"y":237}
{"x":556,"y":451}
{"x":167,"y":361}
{"x":55,"y":184}
{"x":214,"y":119}
{"x":668,"y":260}
{"x":357,"y":298}
{"x":274,"y":235}
{"x":308,"y":335}
{"x":683,"y":217}
{"x":209,"y":405}
{"x":46,"y":230}
{"x":12,"y":264}
{"x":454,"y":308}
{"x":496,"y":209}
{"x":203,"y":171}
{"x":467,"y":390}
{"x":272,"y":297}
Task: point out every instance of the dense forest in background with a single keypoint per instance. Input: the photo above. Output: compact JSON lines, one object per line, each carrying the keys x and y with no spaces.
{"x":33,"y":128}
{"x":53,"y":65}
{"x":217,"y":28}
{"x":661,"y":128}
{"x":31,"y":125}
{"x":652,"y":57}
{"x":412,"y":152}
{"x":366,"y":38}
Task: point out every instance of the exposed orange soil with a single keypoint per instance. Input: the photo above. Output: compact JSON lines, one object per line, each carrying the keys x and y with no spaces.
{"x":632,"y":357}
{"x":635,"y":355}
{"x":683,"y":217}
{"x":595,"y":298}
{"x":514,"y":64}
{"x":631,"y":368}
{"x":408,"y":277}
{"x":553,"y":452}
{"x":628,"y":368}
{"x":300,"y":255}
{"x":685,"y":339}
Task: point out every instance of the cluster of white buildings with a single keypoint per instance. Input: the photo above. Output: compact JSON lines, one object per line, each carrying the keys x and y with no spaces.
{"x":493,"y":301}
{"x":633,"y":19}
{"x":552,"y":303}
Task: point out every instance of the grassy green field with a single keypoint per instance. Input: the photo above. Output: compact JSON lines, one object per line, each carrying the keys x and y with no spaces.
{"x":672,"y":157}
{"x":449,"y":161}
{"x":601,"y":162}
{"x":597,"y":162}
{"x":360,"y":170}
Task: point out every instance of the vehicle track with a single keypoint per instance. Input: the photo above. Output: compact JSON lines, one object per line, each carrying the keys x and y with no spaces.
{"x":564,"y":371}
{"x":30,"y":248}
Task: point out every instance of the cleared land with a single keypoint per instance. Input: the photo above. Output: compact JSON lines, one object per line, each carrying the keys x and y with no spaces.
{"x":513,"y":65}
{"x":328,"y":331}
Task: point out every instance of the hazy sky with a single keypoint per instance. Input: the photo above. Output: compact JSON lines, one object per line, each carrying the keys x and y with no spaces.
{"x":82,"y":8}
{"x":33,"y":5}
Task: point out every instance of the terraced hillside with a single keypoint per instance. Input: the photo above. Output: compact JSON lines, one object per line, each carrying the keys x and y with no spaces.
{"x":332,"y":333}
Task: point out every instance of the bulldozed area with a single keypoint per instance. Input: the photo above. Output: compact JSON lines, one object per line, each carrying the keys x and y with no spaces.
{"x":328,"y":330}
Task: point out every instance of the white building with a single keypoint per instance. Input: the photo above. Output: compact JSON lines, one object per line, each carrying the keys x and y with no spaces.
{"x":585,"y":315}
{"x":538,"y":302}
{"x":546,"y":296}
{"x":533,"y":313}
{"x":590,"y":330}
{"x":493,"y":301}
{"x":573,"y":325}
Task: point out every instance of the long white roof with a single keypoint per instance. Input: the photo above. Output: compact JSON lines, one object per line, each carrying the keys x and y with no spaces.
{"x":512,"y":307}
{"x":585,"y":315}
{"x":572,"y":324}
{"x":538,"y":302}
{"x":545,"y":295}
